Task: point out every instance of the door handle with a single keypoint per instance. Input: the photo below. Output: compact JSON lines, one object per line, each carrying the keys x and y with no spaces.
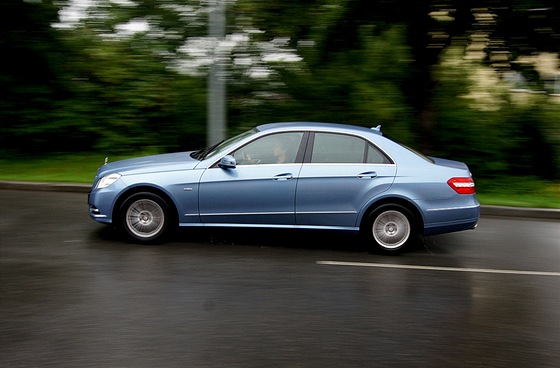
{"x":367,"y":175}
{"x":286,"y":176}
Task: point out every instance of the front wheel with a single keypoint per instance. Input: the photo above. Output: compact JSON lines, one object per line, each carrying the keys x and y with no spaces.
{"x":145,"y":217}
{"x":390,"y":228}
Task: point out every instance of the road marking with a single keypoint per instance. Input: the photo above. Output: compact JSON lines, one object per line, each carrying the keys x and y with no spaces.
{"x":437,"y":268}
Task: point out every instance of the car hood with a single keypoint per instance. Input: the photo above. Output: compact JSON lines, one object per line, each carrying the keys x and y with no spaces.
{"x":155,"y":163}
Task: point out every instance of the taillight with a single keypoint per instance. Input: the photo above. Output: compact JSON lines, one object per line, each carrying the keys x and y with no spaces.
{"x":462,"y":185}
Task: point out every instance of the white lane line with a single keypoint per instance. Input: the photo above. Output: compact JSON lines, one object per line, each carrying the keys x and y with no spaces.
{"x":437,"y":268}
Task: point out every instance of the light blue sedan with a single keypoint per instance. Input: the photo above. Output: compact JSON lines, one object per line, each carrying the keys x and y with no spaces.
{"x":290,"y":175}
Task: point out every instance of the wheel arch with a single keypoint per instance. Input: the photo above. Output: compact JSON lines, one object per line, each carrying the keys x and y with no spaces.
{"x":410,"y":206}
{"x":149,"y":189}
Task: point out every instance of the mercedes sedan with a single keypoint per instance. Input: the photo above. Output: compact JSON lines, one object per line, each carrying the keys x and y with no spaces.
{"x":290,"y":175}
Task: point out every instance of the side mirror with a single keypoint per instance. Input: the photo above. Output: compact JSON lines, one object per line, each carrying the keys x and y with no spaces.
{"x":228,"y":162}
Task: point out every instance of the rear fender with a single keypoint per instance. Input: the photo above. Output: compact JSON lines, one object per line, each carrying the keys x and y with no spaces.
{"x":371,"y":206}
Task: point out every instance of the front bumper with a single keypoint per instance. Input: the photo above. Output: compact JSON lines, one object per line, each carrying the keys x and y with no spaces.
{"x":102,"y":201}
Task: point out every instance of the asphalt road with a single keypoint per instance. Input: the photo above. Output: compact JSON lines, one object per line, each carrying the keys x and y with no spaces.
{"x":74,"y":294}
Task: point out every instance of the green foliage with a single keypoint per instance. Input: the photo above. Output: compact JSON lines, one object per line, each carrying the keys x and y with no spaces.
{"x":90,"y":88}
{"x":493,"y":133}
{"x":520,"y":191}
{"x":131,"y":100}
{"x":362,"y":86}
{"x":30,"y":77}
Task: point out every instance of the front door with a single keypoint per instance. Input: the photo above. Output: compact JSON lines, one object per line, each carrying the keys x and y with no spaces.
{"x":260,"y":189}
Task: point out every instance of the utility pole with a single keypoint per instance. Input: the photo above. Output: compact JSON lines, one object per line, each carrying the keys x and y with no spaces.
{"x":216,"y":89}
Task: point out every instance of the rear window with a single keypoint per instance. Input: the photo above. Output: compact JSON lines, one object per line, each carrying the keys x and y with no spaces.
{"x":418,"y":153}
{"x":421,"y":155}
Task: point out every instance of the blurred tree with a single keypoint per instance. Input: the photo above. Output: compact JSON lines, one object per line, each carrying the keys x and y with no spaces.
{"x":337,"y":28}
{"x":120,"y":75}
{"x":30,"y":74}
{"x":127,"y":98}
{"x":480,"y":121}
{"x":161,"y":43}
{"x":498,"y":28}
{"x":82,"y":86}
{"x":354,"y":64}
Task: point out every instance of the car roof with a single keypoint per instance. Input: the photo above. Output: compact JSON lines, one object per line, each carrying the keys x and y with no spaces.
{"x":305,"y":125}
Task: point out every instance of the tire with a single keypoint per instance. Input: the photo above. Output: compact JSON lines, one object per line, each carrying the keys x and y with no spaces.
{"x":145,"y":217}
{"x":391,"y":228}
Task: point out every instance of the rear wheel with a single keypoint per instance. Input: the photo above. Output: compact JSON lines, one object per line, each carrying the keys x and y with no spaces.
{"x":145,"y":217}
{"x":390,"y":228}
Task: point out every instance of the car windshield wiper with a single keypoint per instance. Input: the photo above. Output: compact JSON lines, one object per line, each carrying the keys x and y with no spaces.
{"x":202,"y":153}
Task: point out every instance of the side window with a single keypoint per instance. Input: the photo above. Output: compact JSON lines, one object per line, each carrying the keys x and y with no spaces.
{"x":337,"y":148}
{"x":374,"y":156}
{"x":281,"y":148}
{"x":340,"y":148}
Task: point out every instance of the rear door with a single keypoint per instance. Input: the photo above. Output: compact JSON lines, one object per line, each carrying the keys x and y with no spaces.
{"x":340,"y":174}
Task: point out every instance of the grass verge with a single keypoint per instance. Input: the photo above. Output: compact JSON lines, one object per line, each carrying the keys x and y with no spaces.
{"x":518,"y":192}
{"x":81,"y":168}
{"x":78,"y":168}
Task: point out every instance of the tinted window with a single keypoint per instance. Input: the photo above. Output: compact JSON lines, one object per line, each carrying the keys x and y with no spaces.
{"x":281,"y":148}
{"x":374,"y":156}
{"x":340,"y":148}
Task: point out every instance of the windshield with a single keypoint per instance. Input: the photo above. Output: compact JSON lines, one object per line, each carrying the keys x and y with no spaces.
{"x":220,"y":146}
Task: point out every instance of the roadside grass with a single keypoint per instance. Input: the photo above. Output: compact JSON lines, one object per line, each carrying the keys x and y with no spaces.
{"x":81,"y":168}
{"x":77,"y":168}
{"x":518,"y":192}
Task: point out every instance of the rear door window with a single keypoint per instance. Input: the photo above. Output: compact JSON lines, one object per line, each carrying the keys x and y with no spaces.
{"x":342,"y":148}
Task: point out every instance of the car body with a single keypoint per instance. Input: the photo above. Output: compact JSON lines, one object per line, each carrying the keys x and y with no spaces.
{"x":291,"y":175}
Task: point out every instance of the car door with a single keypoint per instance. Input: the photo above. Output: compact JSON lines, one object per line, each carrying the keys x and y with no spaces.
{"x":260,"y":189}
{"x":339,"y":175}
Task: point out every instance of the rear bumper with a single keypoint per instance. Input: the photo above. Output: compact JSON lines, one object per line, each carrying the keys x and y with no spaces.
{"x":449,"y":227}
{"x":450,"y":219}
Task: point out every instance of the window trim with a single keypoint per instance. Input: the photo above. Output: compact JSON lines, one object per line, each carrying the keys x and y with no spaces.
{"x":310,"y":146}
{"x":299,"y":155}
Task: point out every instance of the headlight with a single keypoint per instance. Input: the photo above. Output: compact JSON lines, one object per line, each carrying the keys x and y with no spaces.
{"x":107,"y":180}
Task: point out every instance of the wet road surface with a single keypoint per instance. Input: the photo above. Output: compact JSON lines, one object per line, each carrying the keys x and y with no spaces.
{"x":74,"y":294}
